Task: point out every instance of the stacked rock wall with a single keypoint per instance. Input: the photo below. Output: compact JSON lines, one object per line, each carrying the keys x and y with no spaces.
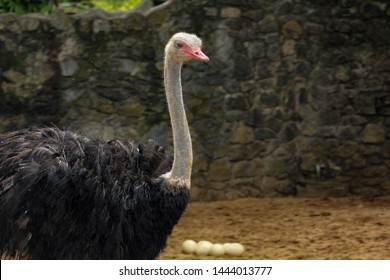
{"x":295,"y":99}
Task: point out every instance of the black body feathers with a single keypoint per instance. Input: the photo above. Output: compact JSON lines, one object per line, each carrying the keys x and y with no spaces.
{"x":64,"y":196}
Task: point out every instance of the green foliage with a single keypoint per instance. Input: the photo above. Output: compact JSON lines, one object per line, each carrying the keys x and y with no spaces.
{"x":115,"y":5}
{"x":27,"y":6}
{"x":47,"y":6}
{"x":74,"y":6}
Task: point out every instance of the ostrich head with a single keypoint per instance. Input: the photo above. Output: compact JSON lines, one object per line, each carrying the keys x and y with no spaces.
{"x":183,"y":47}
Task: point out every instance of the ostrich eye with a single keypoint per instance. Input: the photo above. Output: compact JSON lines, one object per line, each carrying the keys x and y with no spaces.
{"x":179,"y":45}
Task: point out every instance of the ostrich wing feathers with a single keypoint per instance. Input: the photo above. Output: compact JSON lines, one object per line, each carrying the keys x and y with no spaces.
{"x":64,"y":196}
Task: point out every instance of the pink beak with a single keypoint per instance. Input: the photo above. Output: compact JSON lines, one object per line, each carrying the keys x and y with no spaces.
{"x":196,"y":53}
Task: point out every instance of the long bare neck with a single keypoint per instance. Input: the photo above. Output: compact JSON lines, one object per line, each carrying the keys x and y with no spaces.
{"x":182,"y":162}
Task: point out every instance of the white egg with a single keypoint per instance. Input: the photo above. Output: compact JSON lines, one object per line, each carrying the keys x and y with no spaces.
{"x":188,"y":247}
{"x":217,"y":250}
{"x":226,"y":245}
{"x":203,"y":247}
{"x":234,"y":249}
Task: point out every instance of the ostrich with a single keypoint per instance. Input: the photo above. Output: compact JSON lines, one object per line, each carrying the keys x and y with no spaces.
{"x":65,"y":196}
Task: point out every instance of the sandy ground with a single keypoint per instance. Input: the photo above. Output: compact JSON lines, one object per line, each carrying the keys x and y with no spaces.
{"x":289,"y":228}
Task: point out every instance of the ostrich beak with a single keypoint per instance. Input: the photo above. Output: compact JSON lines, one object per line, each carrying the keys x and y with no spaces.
{"x":196,"y":53}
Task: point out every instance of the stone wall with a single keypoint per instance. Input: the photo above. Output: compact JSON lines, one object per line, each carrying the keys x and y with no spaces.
{"x":295,"y":99}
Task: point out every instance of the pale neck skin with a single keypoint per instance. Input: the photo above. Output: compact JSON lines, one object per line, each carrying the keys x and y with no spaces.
{"x":180,"y":173}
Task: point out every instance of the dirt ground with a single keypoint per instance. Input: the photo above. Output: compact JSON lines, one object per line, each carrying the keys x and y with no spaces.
{"x":289,"y":228}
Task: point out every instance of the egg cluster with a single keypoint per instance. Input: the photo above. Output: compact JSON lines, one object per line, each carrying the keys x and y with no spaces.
{"x":207,"y":248}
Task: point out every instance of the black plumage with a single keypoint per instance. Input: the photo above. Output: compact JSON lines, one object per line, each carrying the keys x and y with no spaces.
{"x":65,"y":196}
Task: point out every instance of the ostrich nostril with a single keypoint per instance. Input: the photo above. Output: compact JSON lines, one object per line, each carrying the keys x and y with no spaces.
{"x":197,"y":53}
